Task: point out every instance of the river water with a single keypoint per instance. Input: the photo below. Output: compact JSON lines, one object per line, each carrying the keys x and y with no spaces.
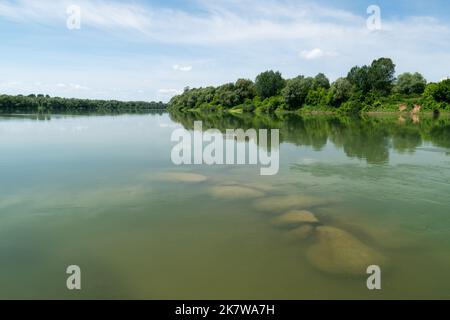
{"x":102,"y":193}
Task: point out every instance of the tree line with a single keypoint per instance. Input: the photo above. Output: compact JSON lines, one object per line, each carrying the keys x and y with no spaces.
{"x":366,"y":88}
{"x":46,"y":104}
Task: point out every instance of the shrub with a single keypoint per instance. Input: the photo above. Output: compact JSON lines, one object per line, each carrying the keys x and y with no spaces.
{"x":271,"y":104}
{"x":351,"y":106}
{"x":248,"y":106}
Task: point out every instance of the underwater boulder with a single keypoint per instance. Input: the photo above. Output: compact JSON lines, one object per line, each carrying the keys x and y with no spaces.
{"x":282,"y":203}
{"x":338,"y":252}
{"x":301,"y":233}
{"x":296,"y":217}
{"x":183,"y":177}
{"x":262,"y":186}
{"x":235,"y":192}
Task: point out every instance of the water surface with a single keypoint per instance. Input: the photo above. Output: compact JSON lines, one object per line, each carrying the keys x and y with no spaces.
{"x":90,"y":191}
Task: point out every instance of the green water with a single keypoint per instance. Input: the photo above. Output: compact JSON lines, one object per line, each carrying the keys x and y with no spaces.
{"x":87,"y":191}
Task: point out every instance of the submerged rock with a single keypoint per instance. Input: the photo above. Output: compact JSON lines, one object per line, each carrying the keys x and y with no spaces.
{"x":281,"y":203}
{"x":183,"y":177}
{"x":338,"y":252}
{"x":301,"y":233}
{"x":391,"y":235}
{"x":262,"y":186}
{"x":296,"y":216}
{"x":235,"y":192}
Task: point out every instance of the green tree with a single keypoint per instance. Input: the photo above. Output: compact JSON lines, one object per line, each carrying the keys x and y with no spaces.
{"x":359,"y":78}
{"x":269,"y":84}
{"x":437,"y":96}
{"x":340,"y":92}
{"x":441,"y":92}
{"x":317,"y":97}
{"x":245,"y":89}
{"x":226,"y":96}
{"x":321,"y":81}
{"x":410,"y":83}
{"x":378,"y":77}
{"x":206,"y":95}
{"x":296,"y":91}
{"x":382,"y":76}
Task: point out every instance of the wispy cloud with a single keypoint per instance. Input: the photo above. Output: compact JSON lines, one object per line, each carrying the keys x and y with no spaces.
{"x":99,"y":14}
{"x":69,"y":86}
{"x":225,"y":21}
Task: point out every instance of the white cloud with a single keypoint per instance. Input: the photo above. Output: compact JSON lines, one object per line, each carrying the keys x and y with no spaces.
{"x":182,"y":68}
{"x":71,"y":86}
{"x":316,"y":53}
{"x":76,"y":86}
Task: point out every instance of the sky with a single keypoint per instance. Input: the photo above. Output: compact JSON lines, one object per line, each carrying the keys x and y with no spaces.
{"x":152,"y":50}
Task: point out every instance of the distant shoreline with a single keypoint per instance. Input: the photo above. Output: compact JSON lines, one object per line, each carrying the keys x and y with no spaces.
{"x":44,"y":104}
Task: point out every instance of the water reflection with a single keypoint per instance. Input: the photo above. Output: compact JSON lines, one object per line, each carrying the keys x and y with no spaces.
{"x":368,"y":138}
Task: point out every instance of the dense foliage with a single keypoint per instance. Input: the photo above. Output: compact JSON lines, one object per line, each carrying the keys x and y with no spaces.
{"x":409,"y":83}
{"x":437,"y":95}
{"x":46,"y":104}
{"x":269,"y":84}
{"x":366,"y":88}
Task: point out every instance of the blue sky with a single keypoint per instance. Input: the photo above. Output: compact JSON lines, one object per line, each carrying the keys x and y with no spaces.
{"x":150,"y":50}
